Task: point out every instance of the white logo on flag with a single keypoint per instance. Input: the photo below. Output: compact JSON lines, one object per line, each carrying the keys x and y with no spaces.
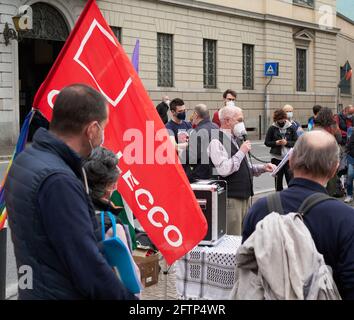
{"x":51,"y":96}
{"x":94,"y":24}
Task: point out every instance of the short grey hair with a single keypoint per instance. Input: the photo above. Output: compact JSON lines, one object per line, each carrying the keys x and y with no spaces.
{"x":315,"y":153}
{"x":202,"y":111}
{"x":101,"y":170}
{"x":228,"y":112}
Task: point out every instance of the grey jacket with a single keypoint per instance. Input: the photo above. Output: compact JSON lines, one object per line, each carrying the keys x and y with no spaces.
{"x":279,"y":261}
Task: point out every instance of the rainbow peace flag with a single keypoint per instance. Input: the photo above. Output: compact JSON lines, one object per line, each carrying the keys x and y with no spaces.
{"x":20,"y":145}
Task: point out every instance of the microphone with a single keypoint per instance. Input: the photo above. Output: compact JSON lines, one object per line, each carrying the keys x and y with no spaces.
{"x":244,"y":137}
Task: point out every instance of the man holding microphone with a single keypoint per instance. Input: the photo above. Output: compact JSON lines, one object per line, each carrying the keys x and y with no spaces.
{"x":228,"y":153}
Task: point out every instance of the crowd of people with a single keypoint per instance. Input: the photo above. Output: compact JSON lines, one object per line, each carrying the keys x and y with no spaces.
{"x":74,"y":176}
{"x":313,"y":168}
{"x":281,"y":136}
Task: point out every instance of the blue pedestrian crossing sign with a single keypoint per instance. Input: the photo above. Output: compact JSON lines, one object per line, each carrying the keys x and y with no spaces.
{"x":271,"y":69}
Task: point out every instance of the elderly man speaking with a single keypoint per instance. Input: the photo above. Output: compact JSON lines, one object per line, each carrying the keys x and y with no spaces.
{"x":229,"y":156}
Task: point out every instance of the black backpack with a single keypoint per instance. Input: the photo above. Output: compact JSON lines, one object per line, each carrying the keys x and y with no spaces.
{"x":274,"y":202}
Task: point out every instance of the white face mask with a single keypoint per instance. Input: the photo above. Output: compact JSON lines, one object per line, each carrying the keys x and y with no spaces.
{"x":230,"y":104}
{"x":168,"y":102}
{"x":290,"y":115}
{"x":239,"y":129}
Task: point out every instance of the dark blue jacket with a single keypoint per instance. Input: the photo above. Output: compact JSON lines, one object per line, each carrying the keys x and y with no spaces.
{"x":198,"y":165}
{"x":52,"y":222}
{"x":331,"y":224}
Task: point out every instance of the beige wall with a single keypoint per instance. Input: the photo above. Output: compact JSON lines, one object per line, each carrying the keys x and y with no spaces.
{"x":280,"y":8}
{"x":273,"y":42}
{"x":345,"y":41}
{"x":269,"y":25}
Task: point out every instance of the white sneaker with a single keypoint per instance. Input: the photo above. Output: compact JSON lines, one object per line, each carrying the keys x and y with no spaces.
{"x":348,"y":199}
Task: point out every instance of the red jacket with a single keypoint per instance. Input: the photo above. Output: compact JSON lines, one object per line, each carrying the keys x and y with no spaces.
{"x":343,"y":123}
{"x":216,"y":119}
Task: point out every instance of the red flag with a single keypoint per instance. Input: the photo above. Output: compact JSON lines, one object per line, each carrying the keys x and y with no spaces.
{"x":348,"y":74}
{"x":348,"y":71}
{"x":158,"y":193}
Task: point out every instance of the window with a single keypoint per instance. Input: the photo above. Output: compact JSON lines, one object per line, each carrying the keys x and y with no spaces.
{"x":209,"y":63}
{"x":248,"y":66}
{"x":345,"y":83}
{"x":118,"y":33}
{"x":309,"y":3}
{"x":301,"y":70}
{"x":164,"y":60}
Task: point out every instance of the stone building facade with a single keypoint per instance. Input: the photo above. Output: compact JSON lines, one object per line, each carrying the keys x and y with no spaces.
{"x":195,"y":50}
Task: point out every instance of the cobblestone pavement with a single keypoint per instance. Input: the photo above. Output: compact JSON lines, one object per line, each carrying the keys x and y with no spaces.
{"x":165,"y":289}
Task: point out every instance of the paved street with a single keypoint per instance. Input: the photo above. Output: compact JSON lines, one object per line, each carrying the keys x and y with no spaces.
{"x":3,"y":166}
{"x":261,"y":184}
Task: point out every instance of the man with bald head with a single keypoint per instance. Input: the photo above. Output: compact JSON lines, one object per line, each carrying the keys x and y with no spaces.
{"x":314,"y":162}
{"x":228,"y":153}
{"x":197,"y":162}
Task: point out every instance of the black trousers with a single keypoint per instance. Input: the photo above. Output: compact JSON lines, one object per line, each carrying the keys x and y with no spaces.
{"x":285,"y":170}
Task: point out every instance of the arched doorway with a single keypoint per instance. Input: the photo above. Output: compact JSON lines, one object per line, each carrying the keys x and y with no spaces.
{"x":37,"y":52}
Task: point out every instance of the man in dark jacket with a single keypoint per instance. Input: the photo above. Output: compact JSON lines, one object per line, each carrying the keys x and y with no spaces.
{"x":196,"y":158}
{"x":162,"y":109}
{"x":51,"y":217}
{"x":314,"y":161}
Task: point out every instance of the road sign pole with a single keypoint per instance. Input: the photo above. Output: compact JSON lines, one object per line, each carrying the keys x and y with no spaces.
{"x":266,"y":106}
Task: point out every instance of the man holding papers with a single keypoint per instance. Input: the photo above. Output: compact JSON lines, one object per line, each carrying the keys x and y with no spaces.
{"x":281,"y":136}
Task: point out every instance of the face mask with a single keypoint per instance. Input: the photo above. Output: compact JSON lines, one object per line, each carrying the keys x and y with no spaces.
{"x":290,"y":115}
{"x":181,"y":116}
{"x":230,"y":104}
{"x":239,"y":129}
{"x":349,"y":116}
{"x":281,"y":124}
{"x":168,"y":102}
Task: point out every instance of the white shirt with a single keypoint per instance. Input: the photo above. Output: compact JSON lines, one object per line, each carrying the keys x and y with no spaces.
{"x":226,"y":165}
